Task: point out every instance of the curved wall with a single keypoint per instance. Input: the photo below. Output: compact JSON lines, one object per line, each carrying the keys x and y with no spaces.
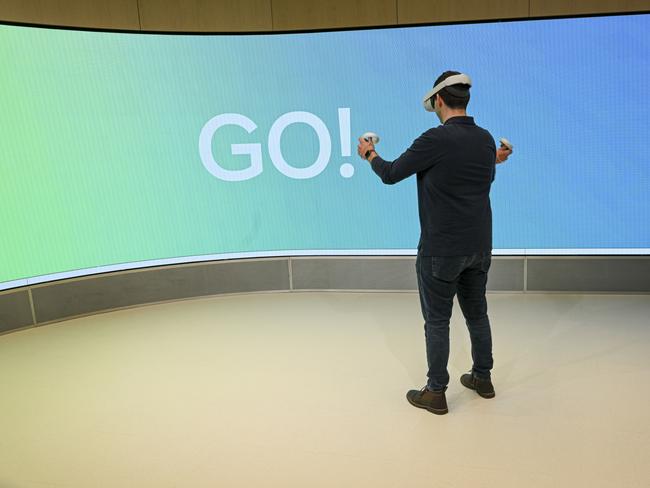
{"x":51,"y":302}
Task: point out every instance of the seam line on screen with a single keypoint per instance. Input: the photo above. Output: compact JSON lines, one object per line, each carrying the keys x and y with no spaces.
{"x":31,"y":305}
{"x":525,"y":274}
{"x":290,"y":274}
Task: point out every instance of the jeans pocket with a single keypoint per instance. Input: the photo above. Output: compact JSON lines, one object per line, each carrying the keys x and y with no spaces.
{"x":447,"y":268}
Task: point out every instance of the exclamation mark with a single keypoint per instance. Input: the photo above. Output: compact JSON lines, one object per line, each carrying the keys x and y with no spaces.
{"x":347,"y":170}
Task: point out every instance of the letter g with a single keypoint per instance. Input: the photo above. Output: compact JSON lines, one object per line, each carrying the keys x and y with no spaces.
{"x":254,"y":150}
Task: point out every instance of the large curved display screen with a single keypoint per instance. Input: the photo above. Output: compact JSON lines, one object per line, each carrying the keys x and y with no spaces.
{"x":122,"y":150}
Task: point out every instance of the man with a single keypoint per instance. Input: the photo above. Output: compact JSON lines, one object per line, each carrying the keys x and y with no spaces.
{"x":455,"y":167}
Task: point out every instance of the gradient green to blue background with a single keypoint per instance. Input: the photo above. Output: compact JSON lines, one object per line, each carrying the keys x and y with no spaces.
{"x":99,"y":137}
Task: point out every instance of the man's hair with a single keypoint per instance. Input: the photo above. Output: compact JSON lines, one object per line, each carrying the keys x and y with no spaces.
{"x":455,"y":96}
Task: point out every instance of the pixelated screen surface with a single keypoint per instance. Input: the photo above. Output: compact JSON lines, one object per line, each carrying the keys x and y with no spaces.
{"x":120,"y":150}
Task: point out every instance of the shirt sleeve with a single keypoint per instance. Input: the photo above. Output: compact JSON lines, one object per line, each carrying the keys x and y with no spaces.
{"x":419,"y":157}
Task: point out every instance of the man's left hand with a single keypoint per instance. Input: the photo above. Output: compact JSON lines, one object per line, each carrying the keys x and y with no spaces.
{"x":502,"y":154}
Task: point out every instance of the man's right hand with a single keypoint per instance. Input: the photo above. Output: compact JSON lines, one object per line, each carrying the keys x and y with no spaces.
{"x":365,"y":147}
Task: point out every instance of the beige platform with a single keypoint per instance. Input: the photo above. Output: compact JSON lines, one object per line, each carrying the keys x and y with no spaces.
{"x":307,"y":390}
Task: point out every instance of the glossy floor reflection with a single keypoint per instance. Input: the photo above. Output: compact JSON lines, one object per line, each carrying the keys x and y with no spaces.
{"x":307,"y":389}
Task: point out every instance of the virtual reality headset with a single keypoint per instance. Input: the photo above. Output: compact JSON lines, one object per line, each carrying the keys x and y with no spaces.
{"x":447,"y":82}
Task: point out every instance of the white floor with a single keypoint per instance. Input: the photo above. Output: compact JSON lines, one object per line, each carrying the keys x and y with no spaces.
{"x":307,"y":390}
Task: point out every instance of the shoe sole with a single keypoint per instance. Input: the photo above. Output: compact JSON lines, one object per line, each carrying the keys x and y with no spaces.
{"x":437,"y":411}
{"x":482,"y":395}
{"x":486,"y":395}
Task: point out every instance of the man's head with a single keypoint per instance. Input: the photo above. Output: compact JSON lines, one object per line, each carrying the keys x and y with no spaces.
{"x":454,"y":96}
{"x":452,"y":99}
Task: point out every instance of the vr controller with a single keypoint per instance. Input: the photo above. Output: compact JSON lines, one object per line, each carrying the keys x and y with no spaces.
{"x":505,"y":143}
{"x":370,"y":137}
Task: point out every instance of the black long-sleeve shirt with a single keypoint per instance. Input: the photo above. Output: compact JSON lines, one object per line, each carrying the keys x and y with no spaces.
{"x":455,"y":167}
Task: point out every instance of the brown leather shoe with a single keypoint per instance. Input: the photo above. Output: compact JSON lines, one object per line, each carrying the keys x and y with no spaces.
{"x":482,"y":386}
{"x":433,"y":401}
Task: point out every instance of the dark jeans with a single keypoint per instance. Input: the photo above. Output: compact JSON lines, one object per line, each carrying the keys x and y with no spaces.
{"x":439,"y":279}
